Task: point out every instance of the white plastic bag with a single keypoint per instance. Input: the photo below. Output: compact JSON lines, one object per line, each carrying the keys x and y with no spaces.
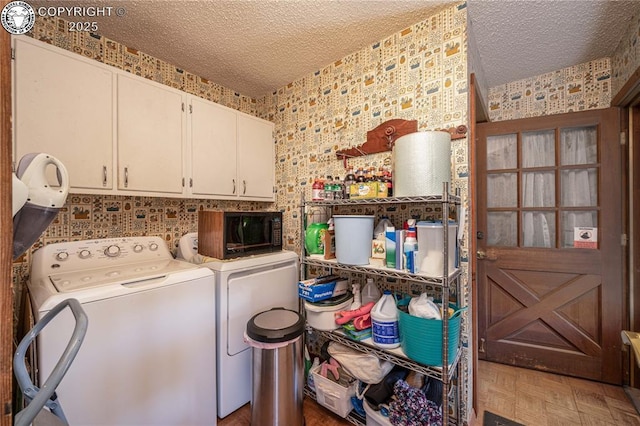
{"x":364,"y":367}
{"x":424,"y":307}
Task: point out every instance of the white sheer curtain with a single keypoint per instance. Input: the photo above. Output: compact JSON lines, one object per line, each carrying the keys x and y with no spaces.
{"x":578,"y":186}
{"x":502,"y":190}
{"x":538,"y":189}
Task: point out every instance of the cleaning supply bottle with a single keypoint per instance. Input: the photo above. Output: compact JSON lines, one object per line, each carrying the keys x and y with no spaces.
{"x":357,"y":302}
{"x":370,"y":292}
{"x":384,"y":319}
{"x":410,"y":249}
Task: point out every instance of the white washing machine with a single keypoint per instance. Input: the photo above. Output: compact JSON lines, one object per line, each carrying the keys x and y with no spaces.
{"x":148,"y":357}
{"x":244,"y":287}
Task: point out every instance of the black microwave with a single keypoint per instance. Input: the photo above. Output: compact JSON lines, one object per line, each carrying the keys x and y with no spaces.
{"x":225,"y":235}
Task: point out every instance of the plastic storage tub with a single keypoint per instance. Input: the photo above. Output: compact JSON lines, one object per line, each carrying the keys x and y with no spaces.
{"x":332,"y":395}
{"x":374,"y":418}
{"x":421,"y":339}
{"x":320,"y":315}
{"x":430,"y":255}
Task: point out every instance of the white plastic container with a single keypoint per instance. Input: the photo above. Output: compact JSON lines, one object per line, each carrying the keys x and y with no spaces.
{"x":321,"y":315}
{"x":353,"y":238}
{"x":430,"y":257}
{"x":332,"y":395}
{"x":381,"y":228}
{"x":384,"y":320}
{"x":374,"y":418}
{"x":370,"y":292}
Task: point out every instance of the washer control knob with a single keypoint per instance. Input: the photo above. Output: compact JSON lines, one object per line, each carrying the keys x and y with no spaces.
{"x":153,"y":246}
{"x":84,"y":254}
{"x":137,"y":248}
{"x":63,"y":255}
{"x":112,"y":251}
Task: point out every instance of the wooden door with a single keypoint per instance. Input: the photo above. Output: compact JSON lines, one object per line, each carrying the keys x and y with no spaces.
{"x":550,"y":265}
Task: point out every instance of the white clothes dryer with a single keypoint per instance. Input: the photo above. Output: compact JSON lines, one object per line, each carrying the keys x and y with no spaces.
{"x":148,"y":357}
{"x":244,"y":287}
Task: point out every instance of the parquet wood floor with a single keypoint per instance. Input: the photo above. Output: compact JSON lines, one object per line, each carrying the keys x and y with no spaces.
{"x":533,"y":398}
{"x":542,"y":399}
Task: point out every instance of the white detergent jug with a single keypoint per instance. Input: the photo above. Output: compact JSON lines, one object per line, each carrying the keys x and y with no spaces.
{"x":384,"y":320}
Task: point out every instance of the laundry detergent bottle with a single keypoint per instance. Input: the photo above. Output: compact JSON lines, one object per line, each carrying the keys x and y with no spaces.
{"x":384,"y":320}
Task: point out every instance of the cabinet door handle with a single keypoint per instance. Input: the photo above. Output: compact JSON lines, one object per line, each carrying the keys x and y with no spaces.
{"x":234,"y":186}
{"x":104,"y":175}
{"x":244,"y":187}
{"x":126,"y":177}
{"x":190,"y":182}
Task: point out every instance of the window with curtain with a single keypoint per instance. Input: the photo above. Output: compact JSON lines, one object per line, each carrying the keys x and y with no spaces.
{"x":541,"y":182}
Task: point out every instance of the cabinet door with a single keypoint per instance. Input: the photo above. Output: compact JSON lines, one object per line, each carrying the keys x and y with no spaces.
{"x":213,"y":149}
{"x":256,"y":157}
{"x":150,"y":134}
{"x":64,"y":107}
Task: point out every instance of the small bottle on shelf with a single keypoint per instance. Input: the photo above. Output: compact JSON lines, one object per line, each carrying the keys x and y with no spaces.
{"x":317,"y":190}
{"x":349,"y":179}
{"x":388,"y":179}
{"x":360,"y":175}
{"x":328,"y":188}
{"x":338,"y":189}
{"x":368,"y":175}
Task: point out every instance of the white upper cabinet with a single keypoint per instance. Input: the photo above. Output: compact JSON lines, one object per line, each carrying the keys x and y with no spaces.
{"x":256,"y":158}
{"x":118,"y":133}
{"x":151,"y":125}
{"x":213,"y":149}
{"x":63,"y":106}
{"x":232,"y":153}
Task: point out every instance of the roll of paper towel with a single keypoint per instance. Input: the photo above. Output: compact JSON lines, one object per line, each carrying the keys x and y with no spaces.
{"x":422,"y":162}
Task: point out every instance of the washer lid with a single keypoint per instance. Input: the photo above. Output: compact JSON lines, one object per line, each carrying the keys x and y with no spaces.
{"x":276,"y":325}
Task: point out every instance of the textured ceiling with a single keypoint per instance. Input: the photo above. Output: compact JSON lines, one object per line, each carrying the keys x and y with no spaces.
{"x":520,"y":39}
{"x":257,"y":46}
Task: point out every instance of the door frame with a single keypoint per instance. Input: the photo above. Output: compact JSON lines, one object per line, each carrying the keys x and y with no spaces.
{"x":6,"y":231}
{"x":628,"y":97}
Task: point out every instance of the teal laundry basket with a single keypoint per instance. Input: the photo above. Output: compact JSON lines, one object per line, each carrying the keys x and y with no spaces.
{"x":421,"y":339}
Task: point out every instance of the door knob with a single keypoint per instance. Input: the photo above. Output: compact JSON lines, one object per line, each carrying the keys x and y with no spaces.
{"x":482,"y":255}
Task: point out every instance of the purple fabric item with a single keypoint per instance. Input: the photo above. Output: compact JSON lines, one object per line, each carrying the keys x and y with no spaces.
{"x":412,"y":408}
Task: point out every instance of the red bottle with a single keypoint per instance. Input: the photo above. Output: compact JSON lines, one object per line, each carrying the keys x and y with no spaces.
{"x":317,"y":190}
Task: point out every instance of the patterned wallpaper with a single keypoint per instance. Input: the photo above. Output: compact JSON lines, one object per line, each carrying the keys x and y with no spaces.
{"x":419,"y":74}
{"x":626,"y":59}
{"x":577,"y":88}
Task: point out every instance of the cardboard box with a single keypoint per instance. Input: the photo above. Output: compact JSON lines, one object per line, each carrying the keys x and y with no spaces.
{"x":329,"y":244}
{"x":390,"y":247}
{"x":363,"y":190}
{"x":322,"y":288}
{"x":378,"y":250}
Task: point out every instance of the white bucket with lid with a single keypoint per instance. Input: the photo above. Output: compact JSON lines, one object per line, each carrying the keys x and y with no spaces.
{"x":353,"y":238}
{"x":430,"y":257}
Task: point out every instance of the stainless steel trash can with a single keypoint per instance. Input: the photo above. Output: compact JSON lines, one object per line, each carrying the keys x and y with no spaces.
{"x":275,"y":337}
